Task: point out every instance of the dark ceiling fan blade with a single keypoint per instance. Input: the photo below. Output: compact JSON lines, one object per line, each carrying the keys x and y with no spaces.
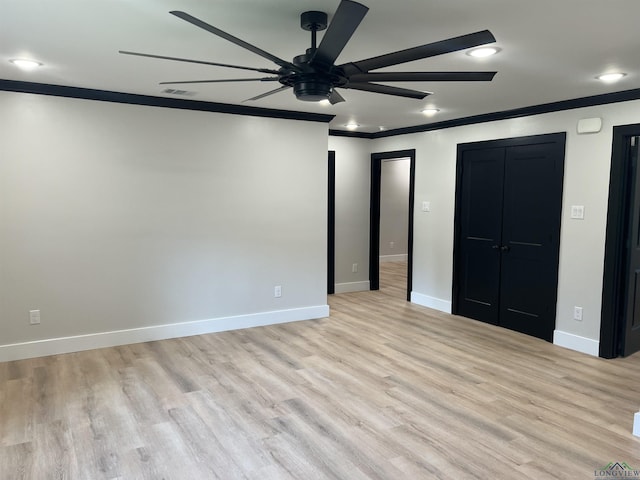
{"x":201,"y":62}
{"x":387,"y":90}
{"x":227,"y":36}
{"x":266,"y":94}
{"x":423,"y":77}
{"x":264,"y":79}
{"x":344,"y":23}
{"x":416,"y":53}
{"x":335,"y":97}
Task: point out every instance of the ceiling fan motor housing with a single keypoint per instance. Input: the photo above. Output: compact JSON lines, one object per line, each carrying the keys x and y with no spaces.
{"x":314,"y":84}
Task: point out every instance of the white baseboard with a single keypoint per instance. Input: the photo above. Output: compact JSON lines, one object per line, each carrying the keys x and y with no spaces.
{"x":577,"y":343}
{"x":54,"y":346}
{"x":431,"y":302}
{"x":351,"y":287}
{"x":394,"y":258}
{"x":636,"y":424}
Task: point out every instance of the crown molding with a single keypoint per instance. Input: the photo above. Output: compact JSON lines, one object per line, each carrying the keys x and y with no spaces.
{"x":151,"y":101}
{"x":591,"y":101}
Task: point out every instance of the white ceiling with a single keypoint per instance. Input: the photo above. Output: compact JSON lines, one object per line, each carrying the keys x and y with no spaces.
{"x":551,"y":50}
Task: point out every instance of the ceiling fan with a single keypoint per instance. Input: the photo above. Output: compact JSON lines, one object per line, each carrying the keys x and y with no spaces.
{"x":314,"y":75}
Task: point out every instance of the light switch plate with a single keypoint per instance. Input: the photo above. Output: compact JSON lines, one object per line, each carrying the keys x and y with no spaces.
{"x":34,"y":317}
{"x":577,"y":212}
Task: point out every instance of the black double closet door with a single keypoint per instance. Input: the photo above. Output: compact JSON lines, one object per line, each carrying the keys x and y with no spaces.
{"x":508,"y":213}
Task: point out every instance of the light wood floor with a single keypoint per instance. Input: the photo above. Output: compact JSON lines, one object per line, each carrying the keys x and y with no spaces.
{"x":381,"y":390}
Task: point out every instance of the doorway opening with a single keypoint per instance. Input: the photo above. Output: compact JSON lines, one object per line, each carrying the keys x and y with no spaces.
{"x":331,"y":223}
{"x":383,"y":216}
{"x":620,"y":315}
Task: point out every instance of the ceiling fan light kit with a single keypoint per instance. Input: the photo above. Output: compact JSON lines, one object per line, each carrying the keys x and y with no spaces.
{"x":313,"y":76}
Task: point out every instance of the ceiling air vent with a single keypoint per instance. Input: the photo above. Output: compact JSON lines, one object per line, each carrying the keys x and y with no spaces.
{"x":174,"y":91}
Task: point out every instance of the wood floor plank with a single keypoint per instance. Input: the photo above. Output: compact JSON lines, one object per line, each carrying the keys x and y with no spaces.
{"x":17,"y":419}
{"x":17,"y":461}
{"x":383,"y":389}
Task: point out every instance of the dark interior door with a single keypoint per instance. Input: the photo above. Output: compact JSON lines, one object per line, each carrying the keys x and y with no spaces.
{"x":630,"y":334}
{"x":481,"y":233}
{"x":531,"y":238}
{"x":508,"y":209}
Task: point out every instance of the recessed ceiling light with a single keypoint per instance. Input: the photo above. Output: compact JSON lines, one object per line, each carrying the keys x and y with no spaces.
{"x":382,"y":128}
{"x":483,"y":52}
{"x":430,"y":111}
{"x":352,"y":126}
{"x":325,"y":102}
{"x":611,"y":77}
{"x":25,"y":64}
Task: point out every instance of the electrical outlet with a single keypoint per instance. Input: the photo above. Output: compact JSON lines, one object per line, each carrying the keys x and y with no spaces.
{"x":392,"y":245}
{"x":354,"y":268}
{"x":34,"y":317}
{"x":577,"y":313}
{"x":277,"y":291}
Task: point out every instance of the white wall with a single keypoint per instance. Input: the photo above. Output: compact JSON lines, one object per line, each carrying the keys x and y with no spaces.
{"x":586,"y":182}
{"x":394,"y":208}
{"x":131,"y":219}
{"x":353,"y":173}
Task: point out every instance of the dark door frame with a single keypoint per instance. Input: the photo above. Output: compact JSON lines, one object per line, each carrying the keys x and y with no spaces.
{"x":374,"y":223}
{"x":331,"y":225}
{"x":614,"y":252}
